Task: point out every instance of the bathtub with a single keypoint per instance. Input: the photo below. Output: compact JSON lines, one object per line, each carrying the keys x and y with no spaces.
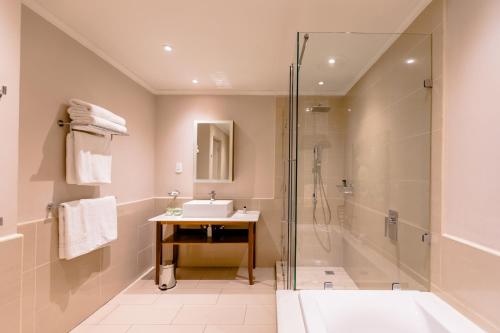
{"x":337,"y":311}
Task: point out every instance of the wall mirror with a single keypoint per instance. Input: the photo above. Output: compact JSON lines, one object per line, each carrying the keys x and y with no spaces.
{"x":213,"y":151}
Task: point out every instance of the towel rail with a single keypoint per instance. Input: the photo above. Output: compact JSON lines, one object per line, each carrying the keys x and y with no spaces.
{"x":51,"y":205}
{"x":88,"y":128}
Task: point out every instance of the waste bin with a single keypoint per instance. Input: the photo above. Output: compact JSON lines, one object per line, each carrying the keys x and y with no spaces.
{"x":167,"y":276}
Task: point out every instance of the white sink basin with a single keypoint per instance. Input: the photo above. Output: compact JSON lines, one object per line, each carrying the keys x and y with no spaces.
{"x":208,"y":208}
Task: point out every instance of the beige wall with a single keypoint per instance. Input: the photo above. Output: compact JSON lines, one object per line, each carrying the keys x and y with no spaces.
{"x":466,"y":249}
{"x":54,"y":69}
{"x":59,"y":294}
{"x":254,"y":153}
{"x":10,"y":31}
{"x":254,"y":168}
{"x":10,"y":242}
{"x":471,"y":178}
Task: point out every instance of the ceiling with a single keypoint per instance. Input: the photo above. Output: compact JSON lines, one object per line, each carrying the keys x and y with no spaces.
{"x":229,"y":46}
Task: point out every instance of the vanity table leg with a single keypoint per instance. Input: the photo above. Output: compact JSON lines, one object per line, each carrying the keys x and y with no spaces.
{"x":159,"y":236}
{"x":175,"y":247}
{"x":254,"y":243}
{"x":251,"y":247}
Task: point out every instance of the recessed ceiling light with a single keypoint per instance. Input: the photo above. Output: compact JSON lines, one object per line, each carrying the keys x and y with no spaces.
{"x":195,"y":81}
{"x":167,"y":48}
{"x":331,"y":61}
{"x":321,"y":83}
{"x":349,"y":110}
{"x":410,"y":61}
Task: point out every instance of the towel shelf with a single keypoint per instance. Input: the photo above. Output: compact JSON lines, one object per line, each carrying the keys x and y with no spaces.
{"x":92,"y":129}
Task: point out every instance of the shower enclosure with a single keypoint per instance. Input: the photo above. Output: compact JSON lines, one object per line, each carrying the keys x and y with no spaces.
{"x":358,"y":139}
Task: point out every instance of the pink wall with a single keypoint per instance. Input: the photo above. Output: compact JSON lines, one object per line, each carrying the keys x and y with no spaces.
{"x":465,"y":246}
{"x":54,"y":69}
{"x":254,"y":119}
{"x":10,"y":30}
{"x":472,"y":157}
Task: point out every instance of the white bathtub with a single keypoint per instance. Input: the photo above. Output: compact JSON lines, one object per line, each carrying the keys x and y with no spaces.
{"x":341,"y":311}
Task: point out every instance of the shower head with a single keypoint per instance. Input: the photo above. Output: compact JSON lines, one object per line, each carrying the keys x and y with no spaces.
{"x":319,"y":108}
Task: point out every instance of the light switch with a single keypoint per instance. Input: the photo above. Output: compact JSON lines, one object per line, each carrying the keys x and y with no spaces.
{"x":178,"y":167}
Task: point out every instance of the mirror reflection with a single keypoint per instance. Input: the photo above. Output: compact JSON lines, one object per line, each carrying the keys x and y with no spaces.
{"x":214,"y":151}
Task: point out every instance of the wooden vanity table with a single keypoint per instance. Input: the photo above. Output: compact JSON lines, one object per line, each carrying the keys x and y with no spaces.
{"x":243,"y":229}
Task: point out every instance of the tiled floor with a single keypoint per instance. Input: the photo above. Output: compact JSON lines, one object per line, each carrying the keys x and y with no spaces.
{"x":205,"y":300}
{"x":314,"y":277}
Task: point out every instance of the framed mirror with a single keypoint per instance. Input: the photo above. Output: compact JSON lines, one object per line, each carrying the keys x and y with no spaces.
{"x":213,"y":151}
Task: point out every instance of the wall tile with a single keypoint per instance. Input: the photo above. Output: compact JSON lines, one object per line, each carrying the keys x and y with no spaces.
{"x":465,"y":278}
{"x":47,"y":241}
{"x":11,"y":250}
{"x":29,"y":245}
{"x":28,"y":302}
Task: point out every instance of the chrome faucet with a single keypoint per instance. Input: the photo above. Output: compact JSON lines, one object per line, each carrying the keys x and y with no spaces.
{"x":212,"y":195}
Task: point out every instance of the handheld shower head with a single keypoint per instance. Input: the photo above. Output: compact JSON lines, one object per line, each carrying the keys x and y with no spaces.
{"x":320,"y":108}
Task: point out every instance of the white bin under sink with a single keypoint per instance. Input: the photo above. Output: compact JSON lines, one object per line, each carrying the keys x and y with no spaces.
{"x":208,"y":208}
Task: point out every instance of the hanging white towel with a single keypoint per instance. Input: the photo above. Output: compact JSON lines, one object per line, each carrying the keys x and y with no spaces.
{"x":97,"y":121}
{"x":86,"y":225}
{"x":88,"y":159}
{"x":73,"y":239}
{"x":78,"y":105}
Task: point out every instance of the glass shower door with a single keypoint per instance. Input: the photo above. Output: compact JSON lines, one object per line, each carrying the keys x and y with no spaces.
{"x":360,"y":161}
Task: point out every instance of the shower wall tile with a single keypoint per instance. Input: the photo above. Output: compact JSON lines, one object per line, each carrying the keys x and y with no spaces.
{"x":410,"y":158}
{"x":437,"y":104}
{"x":414,"y":254}
{"x":388,"y":153}
{"x":411,"y":116}
{"x":411,"y":200}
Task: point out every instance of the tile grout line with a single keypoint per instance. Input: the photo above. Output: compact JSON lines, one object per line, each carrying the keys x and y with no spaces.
{"x":245,"y":316}
{"x":177,"y":313}
{"x":129,"y":328}
{"x":35,"y":282}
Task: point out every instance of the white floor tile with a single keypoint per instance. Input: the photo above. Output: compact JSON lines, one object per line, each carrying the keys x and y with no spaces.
{"x":211,"y":315}
{"x":166,"y":329}
{"x":136,"y":299}
{"x":101,"y":313}
{"x":188,"y":296}
{"x":218,"y":297}
{"x":101,"y":329}
{"x":241,"y":329}
{"x":260,"y":315}
{"x":141,"y":314}
{"x":253,"y":297}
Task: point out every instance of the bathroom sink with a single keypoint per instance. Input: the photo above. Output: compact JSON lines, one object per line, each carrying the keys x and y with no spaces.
{"x":208,"y":208}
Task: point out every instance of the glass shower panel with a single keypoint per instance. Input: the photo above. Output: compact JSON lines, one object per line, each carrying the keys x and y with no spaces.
{"x":363,"y":161}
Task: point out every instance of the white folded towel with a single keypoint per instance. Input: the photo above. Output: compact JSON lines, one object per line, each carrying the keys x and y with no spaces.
{"x":95,"y":110}
{"x":88,"y":159}
{"x":97,"y":121}
{"x":86,"y":225}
